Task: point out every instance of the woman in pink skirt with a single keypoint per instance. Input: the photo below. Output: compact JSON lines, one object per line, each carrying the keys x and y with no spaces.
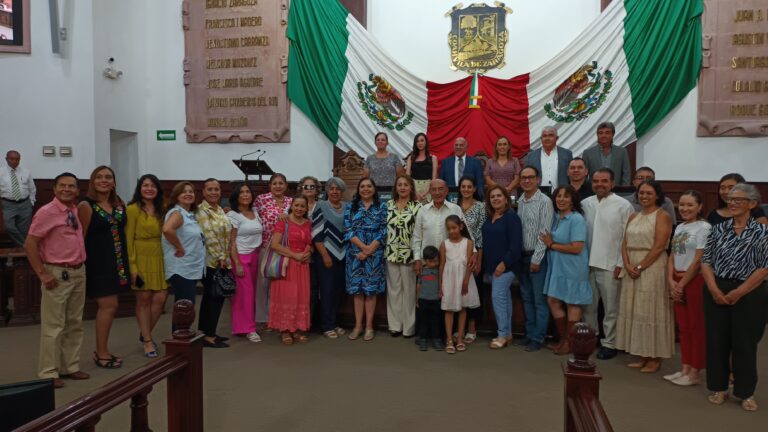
{"x":245,"y":239}
{"x":289,"y":296}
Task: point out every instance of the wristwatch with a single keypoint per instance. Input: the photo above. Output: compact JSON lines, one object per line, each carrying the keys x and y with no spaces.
{"x":640,"y":267}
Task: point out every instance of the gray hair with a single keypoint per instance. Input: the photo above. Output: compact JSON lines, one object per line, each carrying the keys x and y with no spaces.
{"x":335,"y":181}
{"x":549,"y":129}
{"x":607,"y":125}
{"x":752,"y":193}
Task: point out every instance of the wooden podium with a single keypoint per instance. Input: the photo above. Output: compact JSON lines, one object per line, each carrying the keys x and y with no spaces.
{"x":253,"y":167}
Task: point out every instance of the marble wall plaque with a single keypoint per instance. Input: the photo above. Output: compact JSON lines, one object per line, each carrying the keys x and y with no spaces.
{"x":236,"y":70}
{"x":733,"y":87}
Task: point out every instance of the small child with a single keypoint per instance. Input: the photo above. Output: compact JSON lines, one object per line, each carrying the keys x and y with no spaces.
{"x":428,"y":305}
{"x":457,"y":286}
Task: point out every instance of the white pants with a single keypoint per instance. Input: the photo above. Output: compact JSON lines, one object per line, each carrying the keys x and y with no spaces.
{"x":605,"y":287}
{"x":401,"y":298}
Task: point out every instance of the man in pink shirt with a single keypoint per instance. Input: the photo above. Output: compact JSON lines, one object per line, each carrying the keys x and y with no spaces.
{"x":56,"y":252}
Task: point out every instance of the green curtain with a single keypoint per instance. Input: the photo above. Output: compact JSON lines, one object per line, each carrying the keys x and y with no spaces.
{"x":317,"y":63}
{"x":662,"y":43}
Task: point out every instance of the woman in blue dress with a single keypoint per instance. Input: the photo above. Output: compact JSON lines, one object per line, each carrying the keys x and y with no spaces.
{"x":365,"y":230}
{"x":568,"y":273}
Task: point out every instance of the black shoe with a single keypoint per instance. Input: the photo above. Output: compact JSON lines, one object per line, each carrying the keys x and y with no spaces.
{"x":533,"y":346}
{"x":220,"y":338}
{"x":417,"y":340}
{"x":423,"y":345}
{"x":395,"y":333}
{"x":606,"y":353}
{"x":521,"y":342}
{"x":214,"y":344}
{"x":438,"y":345}
{"x":408,"y":336}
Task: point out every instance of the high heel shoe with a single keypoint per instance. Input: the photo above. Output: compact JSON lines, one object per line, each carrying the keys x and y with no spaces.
{"x":153,"y":353}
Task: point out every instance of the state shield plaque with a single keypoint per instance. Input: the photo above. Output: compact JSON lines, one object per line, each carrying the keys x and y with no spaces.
{"x":478,"y":36}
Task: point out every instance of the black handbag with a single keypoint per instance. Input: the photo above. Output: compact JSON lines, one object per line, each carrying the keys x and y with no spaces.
{"x":224,"y":283}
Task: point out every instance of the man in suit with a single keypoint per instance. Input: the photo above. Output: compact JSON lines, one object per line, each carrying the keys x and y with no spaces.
{"x":454,"y":167}
{"x":550,"y":160}
{"x":607,"y":155}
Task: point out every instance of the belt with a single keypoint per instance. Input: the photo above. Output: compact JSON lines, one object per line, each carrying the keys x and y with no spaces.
{"x":528,"y":253}
{"x":16,"y":201}
{"x":69,"y":266}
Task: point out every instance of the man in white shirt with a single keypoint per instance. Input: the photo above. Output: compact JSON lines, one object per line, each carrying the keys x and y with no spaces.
{"x":17,"y":190}
{"x":429,"y":229}
{"x":606,"y":214}
{"x":550,"y":160}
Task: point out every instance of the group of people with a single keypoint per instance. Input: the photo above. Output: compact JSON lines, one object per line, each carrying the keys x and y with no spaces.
{"x":571,"y":249}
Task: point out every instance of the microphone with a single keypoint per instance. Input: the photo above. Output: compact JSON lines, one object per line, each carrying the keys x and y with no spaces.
{"x":260,"y":155}
{"x":248,"y":154}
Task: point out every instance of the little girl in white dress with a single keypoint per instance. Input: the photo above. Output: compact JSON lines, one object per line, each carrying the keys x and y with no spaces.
{"x":457,"y":289}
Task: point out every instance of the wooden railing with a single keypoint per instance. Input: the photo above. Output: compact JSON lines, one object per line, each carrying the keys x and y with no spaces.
{"x":583,"y":410}
{"x":182,"y":366}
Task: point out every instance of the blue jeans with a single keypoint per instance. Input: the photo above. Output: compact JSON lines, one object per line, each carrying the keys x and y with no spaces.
{"x":501,"y":296}
{"x":534,"y":300}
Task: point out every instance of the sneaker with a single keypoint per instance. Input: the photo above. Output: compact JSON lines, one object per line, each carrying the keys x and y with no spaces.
{"x":438,"y":345}
{"x":684,"y":380}
{"x":423,"y":345}
{"x":533,"y":346}
{"x":254,"y":337}
{"x":606,"y":353}
{"x":674,"y":376}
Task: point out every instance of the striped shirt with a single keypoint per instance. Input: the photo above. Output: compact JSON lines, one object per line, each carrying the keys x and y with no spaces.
{"x":736,"y":256}
{"x":536,"y":215}
{"x":328,"y":228}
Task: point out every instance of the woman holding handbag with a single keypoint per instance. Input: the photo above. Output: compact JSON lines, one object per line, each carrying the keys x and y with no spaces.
{"x":244,"y":242}
{"x":289,"y":296}
{"x":216,"y":227}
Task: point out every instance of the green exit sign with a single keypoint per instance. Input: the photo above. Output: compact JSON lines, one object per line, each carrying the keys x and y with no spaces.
{"x":166,"y":135}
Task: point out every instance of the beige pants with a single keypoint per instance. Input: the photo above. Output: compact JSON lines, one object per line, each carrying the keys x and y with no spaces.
{"x":401,"y":298}
{"x":61,"y":323}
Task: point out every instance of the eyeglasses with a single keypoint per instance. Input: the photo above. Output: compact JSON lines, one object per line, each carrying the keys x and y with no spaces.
{"x":737,"y":200}
{"x":643,"y":178}
{"x":523,"y":178}
{"x":72,"y":220}
{"x":308,"y":187}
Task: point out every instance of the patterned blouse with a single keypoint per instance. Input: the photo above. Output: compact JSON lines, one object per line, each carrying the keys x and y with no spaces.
{"x":475,"y":218}
{"x":400,"y":225}
{"x":733,"y":256}
{"x":502,"y":175}
{"x":216,"y":227}
{"x":268,"y":211}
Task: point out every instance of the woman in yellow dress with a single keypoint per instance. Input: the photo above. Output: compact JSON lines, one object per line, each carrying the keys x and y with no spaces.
{"x":143,"y":230}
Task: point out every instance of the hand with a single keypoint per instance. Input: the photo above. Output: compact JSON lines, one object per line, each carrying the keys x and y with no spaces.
{"x":734,"y":296}
{"x":616,"y":272}
{"x":465,"y":288}
{"x":305,"y":256}
{"x":417,"y":267}
{"x":417,"y":305}
{"x":134,"y":275}
{"x":222,"y":263}
{"x":48,"y":280}
{"x":282,"y":216}
{"x":179,"y":252}
{"x":535,"y":268}
{"x":472,"y":263}
{"x":546,"y":238}
{"x":633,"y":272}
{"x":440,"y":293}
{"x":720,"y":298}
{"x":500,"y":269}
{"x":369,"y":249}
{"x":327,"y":262}
{"x":362,"y":256}
{"x":239,"y":270}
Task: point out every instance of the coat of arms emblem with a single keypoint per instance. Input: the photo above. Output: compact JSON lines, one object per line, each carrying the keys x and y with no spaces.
{"x":478,"y":36}
{"x":383,"y":104}
{"x":581,"y":94}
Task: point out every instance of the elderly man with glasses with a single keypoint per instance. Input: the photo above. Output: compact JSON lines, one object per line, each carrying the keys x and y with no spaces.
{"x":56,"y":252}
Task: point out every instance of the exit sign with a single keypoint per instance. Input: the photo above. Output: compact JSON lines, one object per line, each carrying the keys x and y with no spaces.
{"x":166,"y":135}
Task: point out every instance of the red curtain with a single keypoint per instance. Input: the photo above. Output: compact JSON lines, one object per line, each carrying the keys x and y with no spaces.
{"x":503,"y":112}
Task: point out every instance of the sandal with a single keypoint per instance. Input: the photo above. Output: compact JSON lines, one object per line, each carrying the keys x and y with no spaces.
{"x":449,"y":348}
{"x":498,"y":343}
{"x":460,"y":347}
{"x":717,"y":398}
{"x":369,"y":335}
{"x":355,"y":334}
{"x":301,"y":337}
{"x":331,"y":334}
{"x":107,"y":363}
{"x":153,"y":352}
{"x":340,"y":330}
{"x":749,"y":404}
{"x":470,"y":338}
{"x":286,"y":339}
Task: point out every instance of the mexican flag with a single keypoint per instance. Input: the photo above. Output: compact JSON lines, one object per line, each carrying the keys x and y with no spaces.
{"x":631,"y":66}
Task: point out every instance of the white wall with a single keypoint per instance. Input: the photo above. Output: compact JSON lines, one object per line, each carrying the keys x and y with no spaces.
{"x":47,"y":99}
{"x":54,"y":100}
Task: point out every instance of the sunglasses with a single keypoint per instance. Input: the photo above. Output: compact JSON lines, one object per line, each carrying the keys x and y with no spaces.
{"x":72,"y":220}
{"x":308,"y":187}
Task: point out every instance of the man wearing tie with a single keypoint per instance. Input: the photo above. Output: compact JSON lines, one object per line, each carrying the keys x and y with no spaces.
{"x":17,"y":189}
{"x":453,"y":168}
